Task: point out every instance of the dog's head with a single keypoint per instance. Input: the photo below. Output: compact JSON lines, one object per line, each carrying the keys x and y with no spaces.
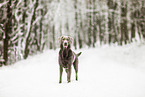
{"x":65,"y":41}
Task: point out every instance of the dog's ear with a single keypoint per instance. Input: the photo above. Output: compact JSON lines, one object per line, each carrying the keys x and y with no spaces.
{"x":59,"y":39}
{"x":71,"y":39}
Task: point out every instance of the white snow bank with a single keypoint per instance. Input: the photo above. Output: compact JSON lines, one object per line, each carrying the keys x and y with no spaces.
{"x":103,"y":72}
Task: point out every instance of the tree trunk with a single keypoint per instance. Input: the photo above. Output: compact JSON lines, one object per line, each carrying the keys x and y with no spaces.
{"x":111,"y":21}
{"x":124,"y":29}
{"x":24,"y":16}
{"x":94,"y":24}
{"x":89,"y":24}
{"x":41,"y":31}
{"x":8,"y":30}
{"x":53,"y":32}
{"x":80,"y":40}
{"x":110,"y":24}
{"x":133,"y":30}
{"x":81,"y":32}
{"x":100,"y":30}
{"x":26,"y":50}
{"x":76,"y":23}
{"x":143,"y":18}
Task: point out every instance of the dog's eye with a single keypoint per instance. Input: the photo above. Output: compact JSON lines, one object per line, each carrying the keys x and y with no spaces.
{"x":63,"y":39}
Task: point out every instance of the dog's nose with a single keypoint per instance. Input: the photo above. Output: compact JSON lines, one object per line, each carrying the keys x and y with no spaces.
{"x":65,"y":44}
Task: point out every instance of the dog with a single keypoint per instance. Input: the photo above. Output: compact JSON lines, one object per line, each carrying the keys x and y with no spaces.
{"x":67,"y":57}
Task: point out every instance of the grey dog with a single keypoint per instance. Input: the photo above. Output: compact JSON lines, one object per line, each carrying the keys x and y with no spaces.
{"x":67,"y":57}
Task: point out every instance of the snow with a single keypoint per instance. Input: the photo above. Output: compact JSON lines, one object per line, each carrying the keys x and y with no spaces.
{"x":2,"y":4}
{"x":108,"y":71}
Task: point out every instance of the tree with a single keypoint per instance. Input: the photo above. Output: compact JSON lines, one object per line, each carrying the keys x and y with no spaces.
{"x":89,"y":15}
{"x":76,"y":23}
{"x":8,"y":31}
{"x":28,"y":34}
{"x":124,"y":28}
{"x":94,"y":24}
{"x":112,"y":5}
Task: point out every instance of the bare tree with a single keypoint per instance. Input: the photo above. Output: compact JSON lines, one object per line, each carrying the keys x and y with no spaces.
{"x":124,"y":28}
{"x":27,"y":44}
{"x":8,"y":31}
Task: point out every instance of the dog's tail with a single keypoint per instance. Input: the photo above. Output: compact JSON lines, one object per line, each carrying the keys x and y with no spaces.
{"x":79,"y":54}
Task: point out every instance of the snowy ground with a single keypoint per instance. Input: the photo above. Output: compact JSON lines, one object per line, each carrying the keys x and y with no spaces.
{"x":103,"y":72}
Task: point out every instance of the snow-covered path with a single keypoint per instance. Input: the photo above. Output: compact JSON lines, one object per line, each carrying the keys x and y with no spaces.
{"x":103,"y":72}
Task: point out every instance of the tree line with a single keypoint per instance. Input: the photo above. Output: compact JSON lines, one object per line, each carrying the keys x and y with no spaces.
{"x":30,"y":26}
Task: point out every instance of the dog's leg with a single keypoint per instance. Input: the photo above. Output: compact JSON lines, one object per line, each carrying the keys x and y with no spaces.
{"x":75,"y":64}
{"x":69,"y":74}
{"x":61,"y":70}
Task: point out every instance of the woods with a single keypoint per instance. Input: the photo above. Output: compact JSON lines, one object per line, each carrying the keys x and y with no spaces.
{"x":30,"y":26}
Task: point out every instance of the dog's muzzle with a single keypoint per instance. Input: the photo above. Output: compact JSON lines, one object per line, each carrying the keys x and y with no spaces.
{"x":65,"y":44}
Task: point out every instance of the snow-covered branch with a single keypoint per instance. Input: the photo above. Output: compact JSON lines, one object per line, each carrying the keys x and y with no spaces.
{"x":4,"y":3}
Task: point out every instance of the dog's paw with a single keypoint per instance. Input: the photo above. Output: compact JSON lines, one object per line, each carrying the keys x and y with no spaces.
{"x":68,"y":82}
{"x":60,"y":82}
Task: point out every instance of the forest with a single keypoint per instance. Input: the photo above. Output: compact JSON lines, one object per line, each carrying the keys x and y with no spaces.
{"x":31,"y":26}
